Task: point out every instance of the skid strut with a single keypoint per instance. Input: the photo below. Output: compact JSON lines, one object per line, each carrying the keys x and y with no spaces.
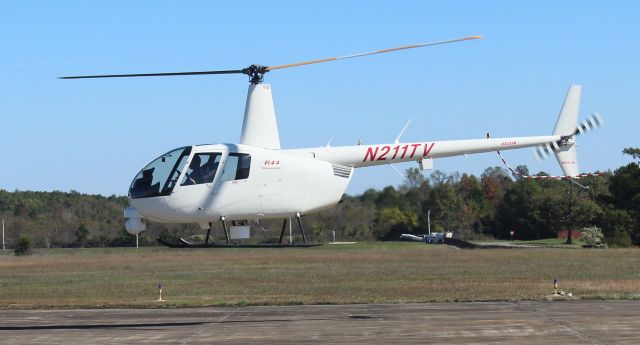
{"x":284,"y":225}
{"x":304,"y":237}
{"x":226,"y":232}
{"x":206,"y":239}
{"x":186,"y":244}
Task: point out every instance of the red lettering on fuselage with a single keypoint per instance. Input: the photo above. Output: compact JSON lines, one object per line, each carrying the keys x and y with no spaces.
{"x":372,"y":152}
{"x":415,"y":147}
{"x":384,"y":152}
{"x":427,"y":150}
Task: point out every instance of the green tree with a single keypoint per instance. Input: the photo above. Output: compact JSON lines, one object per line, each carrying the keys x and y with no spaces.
{"x":391,"y":222}
{"x":632,"y":151}
{"x":521,"y":210}
{"x":522,"y":170}
{"x":352,"y":220}
{"x":414,"y":179}
{"x":624,"y":187}
{"x":82,"y":234}
{"x":616,"y":225}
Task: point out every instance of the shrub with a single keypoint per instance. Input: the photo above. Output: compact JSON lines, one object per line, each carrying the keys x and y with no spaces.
{"x":592,"y":235}
{"x":23,"y":246}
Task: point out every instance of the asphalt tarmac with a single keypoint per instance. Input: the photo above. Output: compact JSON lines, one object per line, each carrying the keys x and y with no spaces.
{"x":437,"y":323}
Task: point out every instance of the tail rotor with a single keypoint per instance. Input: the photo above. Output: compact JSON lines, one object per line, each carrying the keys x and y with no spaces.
{"x":592,"y":122}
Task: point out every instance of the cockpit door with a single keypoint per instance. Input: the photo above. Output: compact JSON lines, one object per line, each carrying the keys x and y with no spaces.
{"x":196,"y":182}
{"x":235,"y":192}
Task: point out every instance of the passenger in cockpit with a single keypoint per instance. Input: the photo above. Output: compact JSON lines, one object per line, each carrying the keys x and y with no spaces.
{"x":209,"y":169}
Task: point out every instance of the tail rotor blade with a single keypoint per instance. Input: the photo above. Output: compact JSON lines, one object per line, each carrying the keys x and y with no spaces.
{"x":538,"y":154}
{"x":598,"y":119}
{"x":544,"y":151}
{"x":592,"y":122}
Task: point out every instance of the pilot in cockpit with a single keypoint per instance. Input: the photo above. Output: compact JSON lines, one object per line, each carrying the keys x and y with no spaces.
{"x":195,"y":174}
{"x":202,"y":173}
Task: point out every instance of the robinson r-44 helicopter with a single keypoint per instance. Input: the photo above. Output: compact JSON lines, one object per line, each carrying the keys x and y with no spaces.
{"x":256,"y":179}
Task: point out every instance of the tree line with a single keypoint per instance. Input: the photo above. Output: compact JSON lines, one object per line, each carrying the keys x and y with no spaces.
{"x":484,"y":207}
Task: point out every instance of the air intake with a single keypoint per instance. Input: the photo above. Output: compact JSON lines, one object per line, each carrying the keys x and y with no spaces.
{"x":341,"y":171}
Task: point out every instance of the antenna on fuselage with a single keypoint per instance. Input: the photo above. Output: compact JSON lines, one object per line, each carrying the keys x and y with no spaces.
{"x":397,"y":141}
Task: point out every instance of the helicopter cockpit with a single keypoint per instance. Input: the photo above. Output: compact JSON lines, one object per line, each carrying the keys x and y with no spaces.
{"x":160,"y":176}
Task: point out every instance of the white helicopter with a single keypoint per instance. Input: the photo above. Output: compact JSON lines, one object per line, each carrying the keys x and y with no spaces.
{"x":256,"y":179}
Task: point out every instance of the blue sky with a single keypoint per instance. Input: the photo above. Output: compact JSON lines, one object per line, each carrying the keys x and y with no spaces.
{"x":93,"y":136}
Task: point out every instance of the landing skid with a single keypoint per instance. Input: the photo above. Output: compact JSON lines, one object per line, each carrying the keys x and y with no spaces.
{"x":186,"y":244}
{"x":182,"y":243}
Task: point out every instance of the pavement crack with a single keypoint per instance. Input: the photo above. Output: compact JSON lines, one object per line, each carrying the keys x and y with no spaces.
{"x":565,"y":324}
{"x":201,"y":329}
{"x":226,"y":316}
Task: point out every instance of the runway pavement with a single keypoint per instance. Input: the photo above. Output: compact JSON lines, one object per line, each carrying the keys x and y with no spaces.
{"x":450,"y":323}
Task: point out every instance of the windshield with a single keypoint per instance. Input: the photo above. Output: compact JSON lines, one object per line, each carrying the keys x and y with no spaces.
{"x":160,"y":176}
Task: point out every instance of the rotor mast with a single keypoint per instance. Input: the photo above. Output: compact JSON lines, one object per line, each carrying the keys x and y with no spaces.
{"x":259,"y":127}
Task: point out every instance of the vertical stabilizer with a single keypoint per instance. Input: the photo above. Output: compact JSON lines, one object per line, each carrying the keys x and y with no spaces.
{"x":566,"y":125}
{"x":260,"y":127}
{"x":568,"y":118}
{"x":568,"y":159}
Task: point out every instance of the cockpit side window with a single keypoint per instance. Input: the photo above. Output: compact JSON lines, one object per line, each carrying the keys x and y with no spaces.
{"x":237,"y":167}
{"x":202,"y":168}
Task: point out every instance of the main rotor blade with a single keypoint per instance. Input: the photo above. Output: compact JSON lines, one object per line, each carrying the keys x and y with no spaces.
{"x":271,"y":68}
{"x":233,"y":71}
{"x":255,"y":72}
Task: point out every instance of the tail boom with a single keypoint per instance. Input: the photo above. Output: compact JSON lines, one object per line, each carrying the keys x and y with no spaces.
{"x":562,"y":143}
{"x":370,"y":155}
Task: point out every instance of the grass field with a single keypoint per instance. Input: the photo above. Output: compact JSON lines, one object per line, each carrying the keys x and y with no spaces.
{"x":331,"y":274}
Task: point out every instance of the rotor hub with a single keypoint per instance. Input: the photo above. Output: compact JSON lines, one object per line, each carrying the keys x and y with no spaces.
{"x":255,"y":73}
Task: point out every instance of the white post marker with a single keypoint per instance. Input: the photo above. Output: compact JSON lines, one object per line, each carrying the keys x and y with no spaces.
{"x":160,"y":286}
{"x":334,"y":237}
{"x":136,"y":240}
